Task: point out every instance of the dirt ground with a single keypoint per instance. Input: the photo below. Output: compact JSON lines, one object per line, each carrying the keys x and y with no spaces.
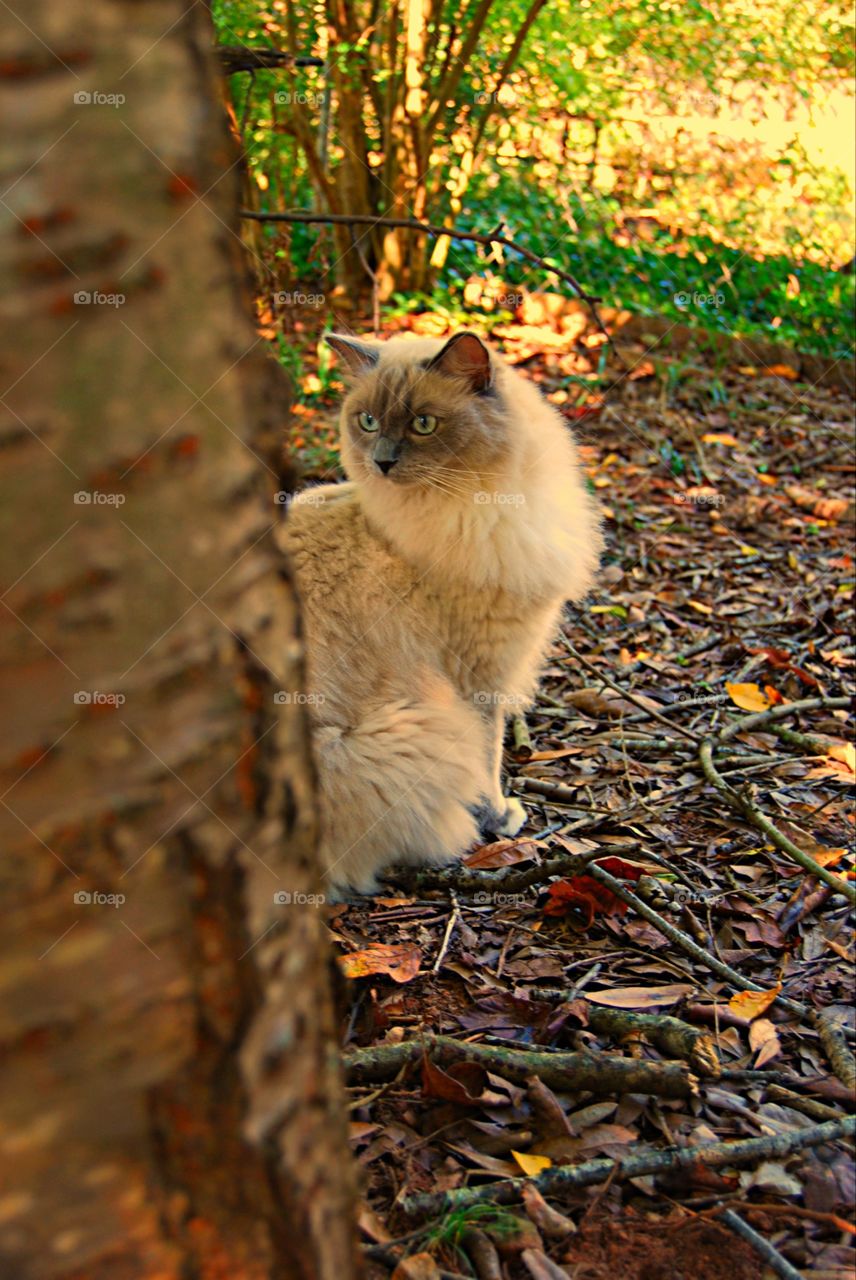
{"x":726,"y":591}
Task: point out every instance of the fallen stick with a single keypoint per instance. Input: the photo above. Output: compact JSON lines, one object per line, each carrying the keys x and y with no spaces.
{"x":463,"y":879}
{"x":685,"y":942}
{"x":745,"y":805}
{"x":670,"y":1035}
{"x":715,"y":1155}
{"x":762,"y":1247}
{"x":625,"y":693}
{"x":597,"y":1073}
{"x":832,"y":1038}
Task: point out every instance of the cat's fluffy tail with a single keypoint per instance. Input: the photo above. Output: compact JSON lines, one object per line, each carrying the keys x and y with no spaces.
{"x":400,"y":787}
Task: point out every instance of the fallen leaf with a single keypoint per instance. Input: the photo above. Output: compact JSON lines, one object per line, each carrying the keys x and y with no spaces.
{"x":502,"y":853}
{"x":401,"y":962}
{"x":751,"y":1004}
{"x":719,"y":437}
{"x":764,"y":1040}
{"x":784,"y":370}
{"x":464,"y":1083}
{"x":747,"y":696}
{"x":640,"y":997}
{"x":532,"y":1165}
{"x":419,"y":1266}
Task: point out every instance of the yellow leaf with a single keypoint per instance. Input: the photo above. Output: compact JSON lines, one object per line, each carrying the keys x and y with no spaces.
{"x":783,"y":371}
{"x":699,"y":607}
{"x":751,"y":1004}
{"x":531,"y":1164}
{"x":720,"y":437}
{"x":846,"y":753}
{"x":748,"y":697}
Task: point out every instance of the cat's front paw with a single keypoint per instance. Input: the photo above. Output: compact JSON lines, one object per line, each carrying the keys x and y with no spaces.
{"x":505,"y":822}
{"x":515,"y":818}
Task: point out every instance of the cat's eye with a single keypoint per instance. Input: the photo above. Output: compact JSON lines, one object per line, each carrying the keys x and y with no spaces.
{"x":367,"y":422}
{"x":424,"y":424}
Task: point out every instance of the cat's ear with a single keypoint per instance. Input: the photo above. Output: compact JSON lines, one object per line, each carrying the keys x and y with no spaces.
{"x":465,"y":356}
{"x":358,"y":356}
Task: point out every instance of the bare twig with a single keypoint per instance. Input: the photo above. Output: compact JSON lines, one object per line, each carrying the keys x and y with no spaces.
{"x":762,"y":1247}
{"x":714,"y":1155}
{"x":744,"y":804}
{"x":684,"y":941}
{"x":625,"y":693}
{"x":235,"y":58}
{"x":447,"y":936}
{"x":837,"y":1051}
{"x":453,"y":233}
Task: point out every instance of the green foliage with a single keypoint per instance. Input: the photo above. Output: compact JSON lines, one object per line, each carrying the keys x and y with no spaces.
{"x":570,"y":147}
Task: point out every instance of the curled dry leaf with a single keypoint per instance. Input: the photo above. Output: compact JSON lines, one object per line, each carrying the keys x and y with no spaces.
{"x":586,"y":892}
{"x":751,"y":1004}
{"x":764,"y":1040}
{"x":401,"y":962}
{"x":464,"y":1082}
{"x":547,"y":1219}
{"x":420,"y":1266}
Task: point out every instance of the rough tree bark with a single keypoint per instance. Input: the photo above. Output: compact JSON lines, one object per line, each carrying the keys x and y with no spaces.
{"x":170,"y":1094}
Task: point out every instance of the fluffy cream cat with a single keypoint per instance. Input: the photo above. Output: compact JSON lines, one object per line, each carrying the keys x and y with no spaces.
{"x":431,"y":583}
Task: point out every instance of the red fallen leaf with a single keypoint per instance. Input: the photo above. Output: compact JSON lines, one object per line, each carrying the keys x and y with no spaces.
{"x":584,"y":891}
{"x":580,"y":412}
{"x":781,"y":659}
{"x":464,"y":1082}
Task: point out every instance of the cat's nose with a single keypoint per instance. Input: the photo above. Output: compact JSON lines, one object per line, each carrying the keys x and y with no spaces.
{"x":386,"y":454}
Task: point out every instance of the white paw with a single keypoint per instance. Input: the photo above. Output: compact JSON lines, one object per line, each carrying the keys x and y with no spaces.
{"x":515,"y":818}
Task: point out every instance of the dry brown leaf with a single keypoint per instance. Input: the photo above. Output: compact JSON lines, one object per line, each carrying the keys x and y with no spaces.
{"x":419,"y":1266}
{"x":751,"y":1004}
{"x":502,"y":853}
{"x":764,"y":1040}
{"x":640,"y":997}
{"x":401,"y":962}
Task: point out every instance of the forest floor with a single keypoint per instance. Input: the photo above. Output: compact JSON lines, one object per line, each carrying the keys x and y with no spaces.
{"x":726,"y":593}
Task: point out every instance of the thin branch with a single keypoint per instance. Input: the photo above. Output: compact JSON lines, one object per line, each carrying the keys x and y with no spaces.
{"x":234,"y":58}
{"x":762,"y":1247}
{"x":431,"y":229}
{"x":683,"y":940}
{"x":743,"y":802}
{"x":714,"y":1155}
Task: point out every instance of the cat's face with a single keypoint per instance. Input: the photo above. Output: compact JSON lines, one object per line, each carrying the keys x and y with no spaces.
{"x":436,"y":422}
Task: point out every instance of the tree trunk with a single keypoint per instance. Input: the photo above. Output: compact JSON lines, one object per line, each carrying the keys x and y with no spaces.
{"x":170,"y":1099}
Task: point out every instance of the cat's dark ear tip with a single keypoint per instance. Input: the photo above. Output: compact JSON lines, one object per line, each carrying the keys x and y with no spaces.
{"x":358,"y":356}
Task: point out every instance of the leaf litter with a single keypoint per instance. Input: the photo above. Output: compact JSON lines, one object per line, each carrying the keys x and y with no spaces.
{"x":726,"y":591}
